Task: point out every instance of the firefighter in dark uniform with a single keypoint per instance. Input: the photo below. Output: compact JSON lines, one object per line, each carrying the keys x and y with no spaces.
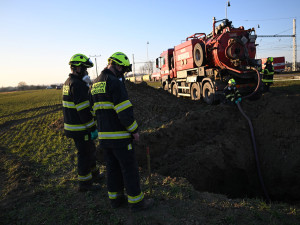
{"x":268,"y":73}
{"x":232,"y":94}
{"x":117,"y":130}
{"x":79,"y":122}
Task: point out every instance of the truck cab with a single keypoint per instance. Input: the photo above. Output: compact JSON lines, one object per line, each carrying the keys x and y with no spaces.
{"x":165,"y":64}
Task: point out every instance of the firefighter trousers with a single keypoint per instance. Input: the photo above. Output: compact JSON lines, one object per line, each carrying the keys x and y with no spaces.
{"x":122,"y":171}
{"x":86,"y":157}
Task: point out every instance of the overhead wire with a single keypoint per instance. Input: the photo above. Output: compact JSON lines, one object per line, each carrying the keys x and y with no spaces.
{"x":269,"y":19}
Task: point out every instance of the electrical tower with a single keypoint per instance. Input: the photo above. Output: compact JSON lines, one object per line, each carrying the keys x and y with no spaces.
{"x":294,"y":68}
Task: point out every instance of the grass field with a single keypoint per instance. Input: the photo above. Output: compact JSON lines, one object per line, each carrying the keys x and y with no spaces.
{"x":38,"y":179}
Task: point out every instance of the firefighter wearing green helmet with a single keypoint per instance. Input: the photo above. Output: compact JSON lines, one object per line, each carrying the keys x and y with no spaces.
{"x":267,"y":74}
{"x":232,"y":94}
{"x":117,"y":131}
{"x":79,"y":122}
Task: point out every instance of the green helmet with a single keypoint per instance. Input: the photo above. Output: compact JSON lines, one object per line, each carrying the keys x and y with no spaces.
{"x":121,"y":59}
{"x":231,"y":81}
{"x":81,"y":60}
{"x":270,"y":59}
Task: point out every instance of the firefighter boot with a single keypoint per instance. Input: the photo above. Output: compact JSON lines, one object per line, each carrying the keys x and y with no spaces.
{"x":118,"y":202}
{"x":142,"y":205}
{"x":97,"y":177}
{"x":88,"y":186}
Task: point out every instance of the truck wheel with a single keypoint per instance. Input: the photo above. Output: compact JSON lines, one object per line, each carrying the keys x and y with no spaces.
{"x":165,"y":86}
{"x":208,"y":93}
{"x":198,"y":53}
{"x":175,"y":90}
{"x":195,"y":91}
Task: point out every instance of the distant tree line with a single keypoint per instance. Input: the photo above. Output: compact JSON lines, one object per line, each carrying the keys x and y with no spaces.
{"x":22,"y":86}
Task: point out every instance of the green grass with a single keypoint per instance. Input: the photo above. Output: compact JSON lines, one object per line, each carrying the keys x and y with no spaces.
{"x":154,"y":84}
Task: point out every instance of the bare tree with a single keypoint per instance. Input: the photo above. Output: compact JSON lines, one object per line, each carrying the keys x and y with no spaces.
{"x":22,"y":85}
{"x":147,"y":68}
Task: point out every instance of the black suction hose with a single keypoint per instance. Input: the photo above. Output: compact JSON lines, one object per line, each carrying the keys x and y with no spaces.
{"x":257,"y":86}
{"x":255,"y":153}
{"x":253,"y":138}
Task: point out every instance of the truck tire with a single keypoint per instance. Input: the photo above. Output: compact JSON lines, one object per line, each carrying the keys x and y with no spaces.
{"x":175,"y":90}
{"x":208,"y":93}
{"x":198,"y":53}
{"x":166,"y":86}
{"x":195,"y":91}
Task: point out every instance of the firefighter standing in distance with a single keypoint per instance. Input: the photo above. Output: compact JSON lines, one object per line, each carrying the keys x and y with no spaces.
{"x":79,"y":122}
{"x":232,"y":94}
{"x":268,"y":73}
{"x":117,"y":130}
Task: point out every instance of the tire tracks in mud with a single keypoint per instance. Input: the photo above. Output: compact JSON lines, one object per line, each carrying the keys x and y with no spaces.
{"x":8,"y":124}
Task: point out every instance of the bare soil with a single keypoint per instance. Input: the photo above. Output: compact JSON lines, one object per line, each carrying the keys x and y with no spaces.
{"x":211,"y":145}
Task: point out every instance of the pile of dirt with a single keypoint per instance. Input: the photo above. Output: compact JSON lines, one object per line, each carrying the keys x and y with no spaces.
{"x":211,"y":145}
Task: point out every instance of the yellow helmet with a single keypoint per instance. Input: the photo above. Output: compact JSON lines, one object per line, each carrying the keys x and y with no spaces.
{"x":232,"y":81}
{"x":121,"y":59}
{"x":81,"y":60}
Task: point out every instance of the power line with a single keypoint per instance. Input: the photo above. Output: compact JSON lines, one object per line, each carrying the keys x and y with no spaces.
{"x":284,"y":31}
{"x":276,"y":35}
{"x":268,"y":19}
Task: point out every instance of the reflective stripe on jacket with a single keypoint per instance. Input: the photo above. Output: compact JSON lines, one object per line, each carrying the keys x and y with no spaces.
{"x":78,"y":119}
{"x":231,"y":93}
{"x":114,"y":111}
{"x":267,"y":73}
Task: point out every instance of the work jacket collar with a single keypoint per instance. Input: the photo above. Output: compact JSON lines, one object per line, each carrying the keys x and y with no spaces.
{"x":109,"y":71}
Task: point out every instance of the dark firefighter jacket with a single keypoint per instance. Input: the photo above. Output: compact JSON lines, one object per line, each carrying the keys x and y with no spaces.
{"x":78,"y":119}
{"x":268,"y":73}
{"x":231,"y":93}
{"x":114,"y":112}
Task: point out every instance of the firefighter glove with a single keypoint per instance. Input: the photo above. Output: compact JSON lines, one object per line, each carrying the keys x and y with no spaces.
{"x":94,"y":134}
{"x":238,"y":100}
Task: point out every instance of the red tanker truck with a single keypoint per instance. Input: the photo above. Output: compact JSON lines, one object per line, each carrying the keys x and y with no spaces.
{"x":201,"y":66}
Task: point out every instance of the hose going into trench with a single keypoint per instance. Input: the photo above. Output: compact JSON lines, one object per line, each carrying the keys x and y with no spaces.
{"x":255,"y":153}
{"x":253,"y":138}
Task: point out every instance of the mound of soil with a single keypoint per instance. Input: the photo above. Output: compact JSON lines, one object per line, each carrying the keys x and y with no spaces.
{"x":211,"y":145}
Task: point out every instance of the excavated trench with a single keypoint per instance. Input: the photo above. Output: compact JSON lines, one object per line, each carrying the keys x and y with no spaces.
{"x":211,"y":145}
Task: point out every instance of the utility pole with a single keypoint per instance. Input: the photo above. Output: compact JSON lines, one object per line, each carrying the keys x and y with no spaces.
{"x":96,"y":62}
{"x":227,"y":5}
{"x":147,"y":49}
{"x":148,"y":59}
{"x":294,"y":46}
{"x":133,"y":65}
{"x":294,"y":67}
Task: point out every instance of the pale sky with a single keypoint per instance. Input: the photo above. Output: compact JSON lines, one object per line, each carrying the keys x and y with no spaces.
{"x":39,"y":37}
